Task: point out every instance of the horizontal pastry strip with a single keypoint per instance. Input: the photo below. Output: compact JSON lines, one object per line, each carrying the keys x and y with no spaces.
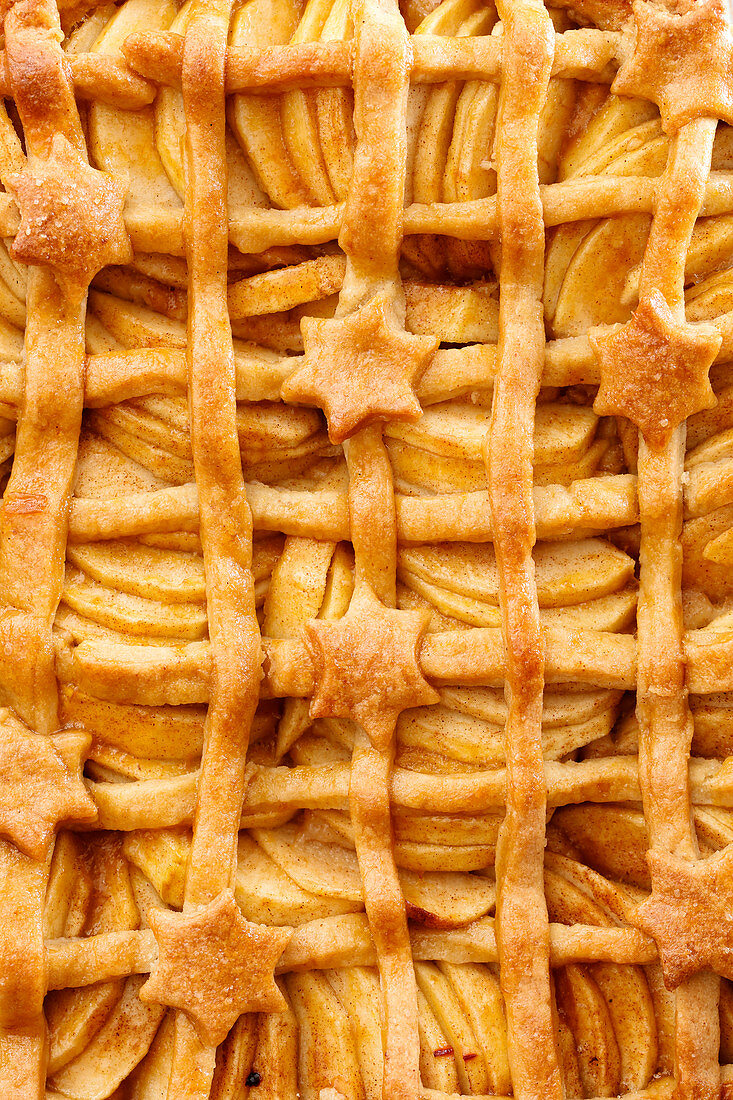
{"x":163,"y":803}
{"x":590,"y":504}
{"x":160,"y":229}
{"x":154,"y":675}
{"x":343,"y":941}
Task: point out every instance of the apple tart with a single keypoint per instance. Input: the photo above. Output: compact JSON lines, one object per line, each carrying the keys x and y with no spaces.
{"x":366,"y":549}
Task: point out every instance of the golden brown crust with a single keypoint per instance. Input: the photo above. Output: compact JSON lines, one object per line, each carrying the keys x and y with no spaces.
{"x":360,"y":368}
{"x":682,"y":60}
{"x":214,"y":965}
{"x":207,"y":513}
{"x":655,"y":372}
{"x":70,"y":215}
{"x":366,"y":665}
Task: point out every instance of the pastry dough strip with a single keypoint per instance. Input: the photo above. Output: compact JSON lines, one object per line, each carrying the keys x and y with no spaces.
{"x":665,"y":721}
{"x":521,"y":911}
{"x":32,"y":541}
{"x":163,"y":803}
{"x":589,"y":504}
{"x":160,"y":229}
{"x":339,"y":941}
{"x":371,"y":237}
{"x":119,"y":376}
{"x":154,"y":675}
{"x":226,"y":523}
{"x":584,"y":54}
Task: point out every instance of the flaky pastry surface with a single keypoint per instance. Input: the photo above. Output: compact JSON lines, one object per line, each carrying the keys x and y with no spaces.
{"x":366,"y":549}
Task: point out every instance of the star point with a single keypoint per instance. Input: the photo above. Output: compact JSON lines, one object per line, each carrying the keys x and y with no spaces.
{"x":360,"y":368}
{"x":214,"y":965}
{"x":682,"y":61}
{"x":654,"y":370}
{"x":40,"y":784}
{"x":367,"y":666}
{"x":689,"y":913}
{"x":70,"y":215}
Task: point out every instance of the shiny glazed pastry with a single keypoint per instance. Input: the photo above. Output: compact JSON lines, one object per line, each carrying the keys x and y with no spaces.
{"x":366,"y":550}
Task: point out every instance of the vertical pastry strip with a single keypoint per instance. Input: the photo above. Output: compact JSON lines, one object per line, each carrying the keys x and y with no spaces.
{"x":665,"y":721}
{"x":655,"y":370}
{"x":370,"y":479}
{"x":226,"y":521}
{"x":368,"y":334}
{"x":211,"y":919}
{"x":381,"y":83}
{"x":522,"y":922}
{"x":36,"y":502}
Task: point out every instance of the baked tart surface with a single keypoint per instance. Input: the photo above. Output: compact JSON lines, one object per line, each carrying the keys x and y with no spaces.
{"x":366,"y":550}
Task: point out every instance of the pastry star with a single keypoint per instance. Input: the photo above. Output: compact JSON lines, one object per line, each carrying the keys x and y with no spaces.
{"x":359,"y":368}
{"x":214,"y":965}
{"x":70,"y":215}
{"x":683,"y":62}
{"x":40,"y":784}
{"x":690,"y":914}
{"x":367,"y":665}
{"x":654,"y":370}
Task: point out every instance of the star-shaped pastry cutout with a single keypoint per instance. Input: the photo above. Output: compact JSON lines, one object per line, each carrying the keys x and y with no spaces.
{"x":367,"y":666}
{"x":40,"y":784}
{"x":689,"y":913}
{"x":360,"y":368}
{"x":70,"y":215}
{"x":654,"y":370}
{"x":214,"y":965}
{"x":682,"y":61}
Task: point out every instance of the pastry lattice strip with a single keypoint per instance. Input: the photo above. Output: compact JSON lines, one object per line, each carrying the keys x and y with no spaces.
{"x":521,"y":910}
{"x":161,"y":229}
{"x":580,"y":54}
{"x":665,"y":719}
{"x":322,"y":788}
{"x":160,"y":674}
{"x":35,"y":506}
{"x":212,"y":964}
{"x":371,"y":302}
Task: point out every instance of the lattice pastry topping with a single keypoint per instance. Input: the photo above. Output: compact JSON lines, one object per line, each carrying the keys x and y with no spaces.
{"x":360,"y":368}
{"x":681,"y":60}
{"x":366,"y":665}
{"x":366,"y":549}
{"x":71,"y":215}
{"x":654,"y":372}
{"x":214,"y":965}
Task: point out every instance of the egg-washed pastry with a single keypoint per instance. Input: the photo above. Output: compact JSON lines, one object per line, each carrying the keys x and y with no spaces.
{"x":366,"y":549}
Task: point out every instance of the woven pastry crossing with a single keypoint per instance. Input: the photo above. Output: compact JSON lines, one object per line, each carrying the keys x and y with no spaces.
{"x":366,"y":550}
